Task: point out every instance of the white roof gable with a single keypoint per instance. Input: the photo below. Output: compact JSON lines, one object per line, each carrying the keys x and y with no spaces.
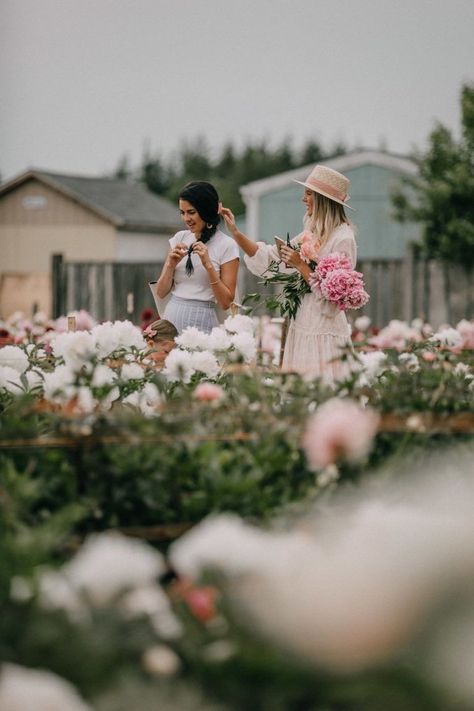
{"x":340,"y":163}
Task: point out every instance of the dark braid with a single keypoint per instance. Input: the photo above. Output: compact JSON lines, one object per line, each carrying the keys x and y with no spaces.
{"x":203,"y":196}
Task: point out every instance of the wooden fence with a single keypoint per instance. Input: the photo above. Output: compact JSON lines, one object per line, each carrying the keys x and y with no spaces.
{"x":399,"y":289}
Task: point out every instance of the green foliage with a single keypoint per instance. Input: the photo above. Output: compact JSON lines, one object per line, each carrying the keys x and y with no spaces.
{"x":228,"y":170}
{"x":441,"y":197}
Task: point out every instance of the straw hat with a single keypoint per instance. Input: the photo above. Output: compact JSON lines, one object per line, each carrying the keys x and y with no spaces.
{"x":328,"y":182}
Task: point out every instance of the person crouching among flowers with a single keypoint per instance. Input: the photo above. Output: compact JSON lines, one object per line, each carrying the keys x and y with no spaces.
{"x":160,"y":337}
{"x":319,"y":330}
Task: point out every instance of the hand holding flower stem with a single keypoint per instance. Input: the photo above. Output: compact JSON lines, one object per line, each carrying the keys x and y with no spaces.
{"x":291,"y":257}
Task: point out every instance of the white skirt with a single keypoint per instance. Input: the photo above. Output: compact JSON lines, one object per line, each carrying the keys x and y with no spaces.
{"x":315,"y":340}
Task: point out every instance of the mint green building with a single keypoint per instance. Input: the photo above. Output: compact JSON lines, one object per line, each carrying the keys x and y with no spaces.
{"x":274,"y":207}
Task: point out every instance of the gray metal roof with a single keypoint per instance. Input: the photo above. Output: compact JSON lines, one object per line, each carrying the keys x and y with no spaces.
{"x":130,"y":206}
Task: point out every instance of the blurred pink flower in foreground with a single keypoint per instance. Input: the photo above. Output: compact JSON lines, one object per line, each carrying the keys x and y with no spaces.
{"x":339,"y":429}
{"x":207,"y":392}
{"x":466,"y":330}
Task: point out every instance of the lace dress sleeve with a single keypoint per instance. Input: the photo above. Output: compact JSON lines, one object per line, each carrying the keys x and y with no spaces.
{"x":347,"y":245}
{"x":265,"y":254}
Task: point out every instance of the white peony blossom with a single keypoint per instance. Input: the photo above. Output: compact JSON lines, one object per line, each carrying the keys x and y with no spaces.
{"x":205,"y":362}
{"x":178,"y":365}
{"x":348,"y":590}
{"x":245,"y":344}
{"x":132,"y":371}
{"x":106,"y":402}
{"x":226,"y":543}
{"x":22,"y":689}
{"x":239,"y":324}
{"x":371,"y":365}
{"x":219,"y":339}
{"x":103,"y":375}
{"x":192,"y":338}
{"x":14,"y":357}
{"x":146,"y":400}
{"x":410,"y":360}
{"x":107,"y":338}
{"x":447,"y":337}
{"x":110,"y":563}
{"x":362,"y":323}
{"x":10,"y":380}
{"x":132,"y":399}
{"x":75,"y":347}
{"x":57,"y":592}
{"x":59,"y":385}
{"x":86,"y":402}
{"x":129,"y":336}
{"x":161,"y":660}
{"x":151,"y":394}
{"x":461,"y":369}
{"x":115,"y":336}
{"x":153,"y":602}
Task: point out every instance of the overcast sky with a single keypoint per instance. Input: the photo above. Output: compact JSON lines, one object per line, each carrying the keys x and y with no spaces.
{"x":84,"y":82}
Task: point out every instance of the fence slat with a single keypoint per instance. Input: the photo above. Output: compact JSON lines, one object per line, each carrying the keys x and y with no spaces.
{"x":399,"y":289}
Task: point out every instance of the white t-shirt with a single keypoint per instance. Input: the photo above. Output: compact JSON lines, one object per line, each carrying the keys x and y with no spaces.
{"x":221,"y":248}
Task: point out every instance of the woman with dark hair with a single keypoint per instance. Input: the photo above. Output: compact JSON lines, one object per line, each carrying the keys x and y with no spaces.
{"x":200,"y":271}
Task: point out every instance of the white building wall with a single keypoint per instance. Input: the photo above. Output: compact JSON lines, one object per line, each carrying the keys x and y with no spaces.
{"x":140,"y":247}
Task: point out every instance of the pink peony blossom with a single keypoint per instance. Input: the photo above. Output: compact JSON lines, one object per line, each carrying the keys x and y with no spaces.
{"x":207,"y":392}
{"x":339,"y":429}
{"x":345,"y":288}
{"x":310,"y":246}
{"x":334,"y":260}
{"x":397,"y":334}
{"x":466,"y":330}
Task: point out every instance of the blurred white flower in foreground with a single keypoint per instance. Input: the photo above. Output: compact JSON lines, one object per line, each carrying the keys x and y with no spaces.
{"x":23,"y":689}
{"x":205,"y":362}
{"x":245,"y":344}
{"x":10,"y":380}
{"x":178,"y":365}
{"x":239,"y":324}
{"x":108,"y":563}
{"x":132,"y":371}
{"x":192,"y":338}
{"x":14,"y":357}
{"x":105,"y":566}
{"x":355,"y":587}
{"x":219,"y":339}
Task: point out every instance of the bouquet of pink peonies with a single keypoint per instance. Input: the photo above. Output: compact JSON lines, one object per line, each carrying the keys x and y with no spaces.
{"x":335,"y":279}
{"x":309,"y":247}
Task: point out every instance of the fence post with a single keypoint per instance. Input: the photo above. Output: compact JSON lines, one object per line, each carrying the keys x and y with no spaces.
{"x":57,"y":285}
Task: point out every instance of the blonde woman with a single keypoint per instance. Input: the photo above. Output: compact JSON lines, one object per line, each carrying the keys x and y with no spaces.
{"x":319,"y":330}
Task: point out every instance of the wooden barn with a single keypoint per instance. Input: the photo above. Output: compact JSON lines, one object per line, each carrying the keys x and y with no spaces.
{"x":82,"y":218}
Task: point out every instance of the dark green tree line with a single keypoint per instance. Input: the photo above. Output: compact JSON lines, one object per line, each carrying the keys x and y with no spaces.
{"x":228,"y":169}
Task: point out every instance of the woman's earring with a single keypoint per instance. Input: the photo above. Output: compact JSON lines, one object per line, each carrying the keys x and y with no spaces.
{"x":209,"y":226}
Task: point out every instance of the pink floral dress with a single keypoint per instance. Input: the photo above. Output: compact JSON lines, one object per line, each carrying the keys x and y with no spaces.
{"x":319,"y":330}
